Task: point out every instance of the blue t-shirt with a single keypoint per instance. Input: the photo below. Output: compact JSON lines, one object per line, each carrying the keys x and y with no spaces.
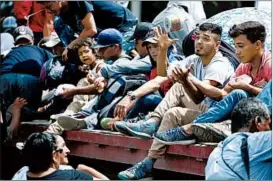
{"x":25,"y":59}
{"x":107,"y":14}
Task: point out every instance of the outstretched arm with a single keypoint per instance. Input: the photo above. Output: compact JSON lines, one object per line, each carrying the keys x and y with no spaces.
{"x":96,"y":175}
{"x":125,"y":105}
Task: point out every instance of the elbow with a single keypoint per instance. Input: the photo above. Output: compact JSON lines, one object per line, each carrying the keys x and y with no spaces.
{"x":92,"y":32}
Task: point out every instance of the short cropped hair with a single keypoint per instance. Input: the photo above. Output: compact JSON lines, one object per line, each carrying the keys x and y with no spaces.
{"x":37,"y":151}
{"x":253,"y":30}
{"x":246,"y":111}
{"x":213,"y":28}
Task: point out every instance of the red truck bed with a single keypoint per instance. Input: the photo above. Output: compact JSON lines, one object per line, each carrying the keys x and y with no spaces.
{"x":114,"y":147}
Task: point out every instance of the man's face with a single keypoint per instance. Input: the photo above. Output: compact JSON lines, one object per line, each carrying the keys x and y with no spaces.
{"x":245,"y":50}
{"x":58,"y":50}
{"x":86,"y":55}
{"x":53,"y":7}
{"x":153,"y":50}
{"x":63,"y":150}
{"x":141,"y":50}
{"x":108,"y":52}
{"x":205,"y":43}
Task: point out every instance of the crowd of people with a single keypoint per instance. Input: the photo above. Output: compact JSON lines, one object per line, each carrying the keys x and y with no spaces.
{"x":92,"y":65}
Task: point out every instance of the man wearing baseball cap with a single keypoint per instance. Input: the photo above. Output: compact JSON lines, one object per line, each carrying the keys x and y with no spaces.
{"x":109,"y":43}
{"x":20,"y":70}
{"x":138,"y":37}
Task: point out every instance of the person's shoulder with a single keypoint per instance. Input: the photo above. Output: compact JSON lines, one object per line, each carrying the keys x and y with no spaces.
{"x":219,"y":57}
{"x":192,"y":57}
{"x":123,"y":56}
{"x":265,"y":136}
{"x":267,"y":58}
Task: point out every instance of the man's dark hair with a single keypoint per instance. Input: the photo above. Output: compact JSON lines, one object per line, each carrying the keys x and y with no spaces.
{"x":253,"y":30}
{"x":213,"y":28}
{"x":246,"y":111}
{"x":37,"y":151}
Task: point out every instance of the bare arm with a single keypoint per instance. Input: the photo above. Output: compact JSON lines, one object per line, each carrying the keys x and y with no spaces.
{"x":48,"y":25}
{"x":96,"y":175}
{"x":208,"y":88}
{"x":89,"y":90}
{"x":253,"y":90}
{"x":90,"y":29}
{"x":150,"y":86}
{"x":196,"y":95}
{"x":161,"y":65}
{"x":125,"y":105}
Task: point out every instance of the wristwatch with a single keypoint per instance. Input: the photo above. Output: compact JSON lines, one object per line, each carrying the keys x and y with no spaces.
{"x":131,"y":95}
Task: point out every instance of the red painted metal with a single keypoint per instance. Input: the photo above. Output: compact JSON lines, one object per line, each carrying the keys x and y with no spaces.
{"x":129,"y":150}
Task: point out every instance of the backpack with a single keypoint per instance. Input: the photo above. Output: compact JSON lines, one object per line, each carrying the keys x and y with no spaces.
{"x":103,"y":105}
{"x":54,"y":72}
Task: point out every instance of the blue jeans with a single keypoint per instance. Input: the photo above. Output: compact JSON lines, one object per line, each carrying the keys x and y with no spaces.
{"x":26,"y":86}
{"x":220,"y":110}
{"x":144,"y":105}
{"x":266,"y":96}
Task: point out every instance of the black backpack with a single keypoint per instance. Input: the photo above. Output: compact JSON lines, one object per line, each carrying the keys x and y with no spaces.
{"x":118,"y":86}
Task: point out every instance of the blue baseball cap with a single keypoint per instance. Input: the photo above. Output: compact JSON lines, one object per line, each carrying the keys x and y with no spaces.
{"x":107,"y":38}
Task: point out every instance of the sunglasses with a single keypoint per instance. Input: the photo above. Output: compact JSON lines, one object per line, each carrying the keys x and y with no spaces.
{"x":59,"y":150}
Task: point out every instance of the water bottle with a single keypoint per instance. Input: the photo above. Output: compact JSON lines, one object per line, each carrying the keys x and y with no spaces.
{"x":173,"y":23}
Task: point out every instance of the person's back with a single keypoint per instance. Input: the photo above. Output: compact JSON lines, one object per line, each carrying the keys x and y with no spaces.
{"x":64,"y":175}
{"x":227,"y":158}
{"x":25,"y":59}
{"x":120,"y":17}
{"x":173,"y":9}
{"x":247,"y":153}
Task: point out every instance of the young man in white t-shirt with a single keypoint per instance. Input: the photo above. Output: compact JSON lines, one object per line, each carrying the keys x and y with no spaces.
{"x":183,"y":102}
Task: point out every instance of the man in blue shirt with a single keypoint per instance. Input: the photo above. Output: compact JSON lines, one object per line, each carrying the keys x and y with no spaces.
{"x":20,"y":70}
{"x":247,"y":154}
{"x":87,"y":18}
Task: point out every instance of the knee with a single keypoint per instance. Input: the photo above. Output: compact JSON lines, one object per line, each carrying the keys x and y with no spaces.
{"x":171,"y":114}
{"x":238,"y":93}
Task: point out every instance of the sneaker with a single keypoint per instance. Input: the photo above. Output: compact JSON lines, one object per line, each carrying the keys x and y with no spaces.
{"x":139,"y":118}
{"x":139,"y":171}
{"x":120,"y":125}
{"x":71,"y":123}
{"x":212,"y":132}
{"x":104,"y":123}
{"x":143,"y":129}
{"x":174,"y":136}
{"x":54,"y":117}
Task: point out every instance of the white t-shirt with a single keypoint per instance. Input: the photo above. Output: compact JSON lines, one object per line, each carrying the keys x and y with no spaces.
{"x":22,"y":173}
{"x":219,"y":70}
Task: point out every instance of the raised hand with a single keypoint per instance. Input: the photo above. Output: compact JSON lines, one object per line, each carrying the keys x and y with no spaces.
{"x":162,"y":38}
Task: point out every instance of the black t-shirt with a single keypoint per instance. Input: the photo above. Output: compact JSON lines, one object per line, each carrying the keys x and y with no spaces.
{"x":25,"y":59}
{"x":107,"y":14}
{"x":64,"y":175}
